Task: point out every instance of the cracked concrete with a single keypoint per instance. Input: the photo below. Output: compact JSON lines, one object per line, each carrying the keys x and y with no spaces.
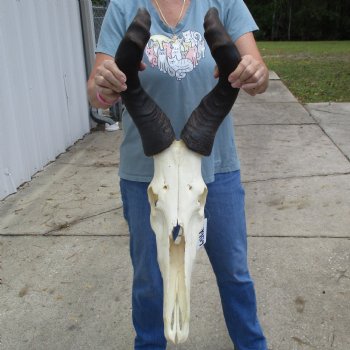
{"x":271,"y":113}
{"x":64,"y":195}
{"x":280,"y":151}
{"x":65,"y":272}
{"x":308,"y":207}
{"x":334,"y":119}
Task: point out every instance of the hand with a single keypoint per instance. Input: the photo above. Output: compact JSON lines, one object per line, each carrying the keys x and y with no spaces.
{"x":110,"y":81}
{"x":250,"y":75}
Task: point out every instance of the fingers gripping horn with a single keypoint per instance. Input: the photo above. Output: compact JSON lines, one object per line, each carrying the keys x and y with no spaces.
{"x":154,"y":126}
{"x":199,"y":132}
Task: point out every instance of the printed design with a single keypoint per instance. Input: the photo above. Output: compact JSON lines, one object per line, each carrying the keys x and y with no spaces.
{"x":178,"y":55}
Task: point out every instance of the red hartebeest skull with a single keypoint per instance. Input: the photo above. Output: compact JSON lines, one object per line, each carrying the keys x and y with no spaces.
{"x":177,"y":192}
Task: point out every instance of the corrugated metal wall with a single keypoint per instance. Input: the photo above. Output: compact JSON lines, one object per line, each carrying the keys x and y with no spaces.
{"x":43,"y":102}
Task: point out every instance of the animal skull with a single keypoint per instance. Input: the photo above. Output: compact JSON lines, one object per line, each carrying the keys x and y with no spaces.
{"x":177,"y":192}
{"x":177,"y":197}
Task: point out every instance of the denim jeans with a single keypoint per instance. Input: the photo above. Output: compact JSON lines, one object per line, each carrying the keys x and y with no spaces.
{"x":226,"y":247}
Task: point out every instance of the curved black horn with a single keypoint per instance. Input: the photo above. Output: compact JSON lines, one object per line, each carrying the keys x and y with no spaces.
{"x":199,"y":131}
{"x":154,"y":126}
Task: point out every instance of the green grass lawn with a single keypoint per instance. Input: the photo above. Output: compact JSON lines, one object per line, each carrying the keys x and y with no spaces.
{"x":314,"y":71}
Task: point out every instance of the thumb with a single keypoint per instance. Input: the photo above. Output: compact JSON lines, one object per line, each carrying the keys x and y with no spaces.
{"x":216,"y":72}
{"x":143,"y":66}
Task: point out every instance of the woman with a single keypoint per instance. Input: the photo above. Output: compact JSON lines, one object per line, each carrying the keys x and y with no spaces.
{"x":179,"y":73}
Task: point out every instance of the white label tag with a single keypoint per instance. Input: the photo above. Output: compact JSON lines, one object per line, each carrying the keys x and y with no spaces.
{"x":202,"y":236}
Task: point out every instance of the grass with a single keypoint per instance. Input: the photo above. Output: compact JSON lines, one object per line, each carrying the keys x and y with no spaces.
{"x":315,"y":71}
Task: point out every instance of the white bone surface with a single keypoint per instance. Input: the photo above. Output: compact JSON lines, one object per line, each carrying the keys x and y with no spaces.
{"x":177,"y":196}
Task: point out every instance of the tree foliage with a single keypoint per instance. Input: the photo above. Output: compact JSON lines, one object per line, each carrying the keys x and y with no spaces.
{"x":296,"y":19}
{"x":301,"y":19}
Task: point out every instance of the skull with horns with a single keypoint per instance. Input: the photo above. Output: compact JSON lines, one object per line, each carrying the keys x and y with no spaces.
{"x":177,"y":193}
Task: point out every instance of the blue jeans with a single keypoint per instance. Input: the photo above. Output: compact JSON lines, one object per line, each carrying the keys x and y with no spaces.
{"x":226,"y":247}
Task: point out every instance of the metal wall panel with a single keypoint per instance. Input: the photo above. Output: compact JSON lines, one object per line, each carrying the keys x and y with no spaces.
{"x":87,"y":21}
{"x":43,"y":101}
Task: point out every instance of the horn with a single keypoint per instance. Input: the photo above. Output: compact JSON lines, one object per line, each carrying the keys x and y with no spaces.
{"x":199,"y":131}
{"x":154,"y":126}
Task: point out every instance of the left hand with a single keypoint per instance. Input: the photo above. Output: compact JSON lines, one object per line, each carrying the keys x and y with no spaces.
{"x":250,"y":75}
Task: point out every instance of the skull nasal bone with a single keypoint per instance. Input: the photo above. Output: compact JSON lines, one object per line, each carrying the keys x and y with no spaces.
{"x":177,"y":233}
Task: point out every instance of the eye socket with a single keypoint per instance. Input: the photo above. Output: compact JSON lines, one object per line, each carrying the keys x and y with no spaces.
{"x":153,"y":197}
{"x":202,"y":198}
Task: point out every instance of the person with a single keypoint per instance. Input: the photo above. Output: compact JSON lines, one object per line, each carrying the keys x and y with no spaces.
{"x":177,"y":71}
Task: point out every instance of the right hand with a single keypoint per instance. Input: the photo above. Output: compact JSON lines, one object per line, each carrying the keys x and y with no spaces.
{"x":106,"y":79}
{"x":109,"y":80}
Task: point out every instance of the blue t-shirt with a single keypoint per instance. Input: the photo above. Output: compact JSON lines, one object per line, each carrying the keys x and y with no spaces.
{"x":179,"y":74}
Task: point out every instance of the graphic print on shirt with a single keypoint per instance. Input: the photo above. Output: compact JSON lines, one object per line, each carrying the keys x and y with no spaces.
{"x":177,"y":55}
